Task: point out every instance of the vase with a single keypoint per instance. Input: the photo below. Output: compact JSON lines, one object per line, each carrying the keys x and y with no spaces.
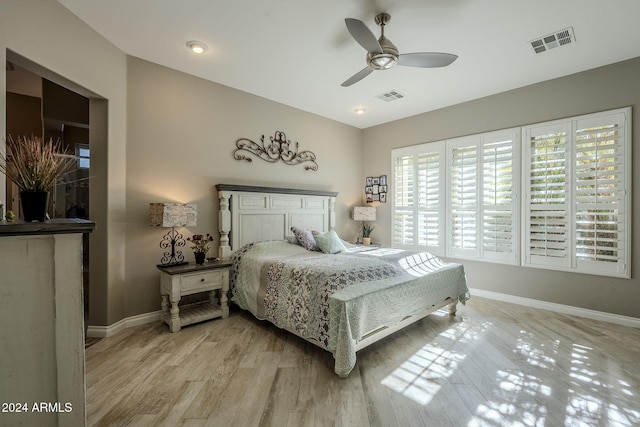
{"x":200,"y":256}
{"x":366,"y":241}
{"x":34,"y":205}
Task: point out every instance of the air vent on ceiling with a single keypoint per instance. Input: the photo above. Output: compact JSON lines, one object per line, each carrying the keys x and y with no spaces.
{"x":389,"y":96}
{"x":551,"y":41}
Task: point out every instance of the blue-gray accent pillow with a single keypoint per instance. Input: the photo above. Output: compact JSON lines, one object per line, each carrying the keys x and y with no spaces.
{"x":305,"y":238}
{"x":330,"y":243}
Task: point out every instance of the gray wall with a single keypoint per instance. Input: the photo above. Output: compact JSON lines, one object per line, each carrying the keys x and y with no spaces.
{"x":181,"y":135}
{"x":604,"y":88}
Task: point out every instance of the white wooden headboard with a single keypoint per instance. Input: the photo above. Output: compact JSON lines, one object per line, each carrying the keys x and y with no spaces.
{"x":251,"y":214}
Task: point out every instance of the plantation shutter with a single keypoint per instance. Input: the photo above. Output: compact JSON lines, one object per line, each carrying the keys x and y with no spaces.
{"x":600,"y":208}
{"x":577,"y":209}
{"x":483,"y":203}
{"x":418,"y":209}
{"x":429,"y":195}
{"x":500,"y":183}
{"x":404,"y":221}
{"x":547,"y":235}
{"x":463,"y":197}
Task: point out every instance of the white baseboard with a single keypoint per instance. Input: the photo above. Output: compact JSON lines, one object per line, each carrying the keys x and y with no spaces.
{"x":111,"y":330}
{"x":559,"y":308}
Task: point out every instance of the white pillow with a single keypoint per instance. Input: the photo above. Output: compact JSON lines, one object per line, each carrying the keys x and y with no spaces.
{"x":329,"y":242}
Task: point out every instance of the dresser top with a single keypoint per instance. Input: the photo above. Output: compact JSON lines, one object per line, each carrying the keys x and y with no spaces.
{"x":52,"y":226}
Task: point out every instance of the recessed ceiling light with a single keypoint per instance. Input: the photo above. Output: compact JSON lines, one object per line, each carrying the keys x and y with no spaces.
{"x":360,"y":111}
{"x":197,"y":47}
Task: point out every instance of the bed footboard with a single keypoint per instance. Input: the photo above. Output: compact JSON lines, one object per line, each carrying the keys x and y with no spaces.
{"x":385,"y":331}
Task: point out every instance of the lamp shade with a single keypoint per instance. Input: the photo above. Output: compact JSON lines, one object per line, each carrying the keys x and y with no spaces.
{"x":363,"y":213}
{"x":173,"y":214}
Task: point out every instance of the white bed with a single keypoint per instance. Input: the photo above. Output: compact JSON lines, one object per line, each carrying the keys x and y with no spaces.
{"x":341,"y":302}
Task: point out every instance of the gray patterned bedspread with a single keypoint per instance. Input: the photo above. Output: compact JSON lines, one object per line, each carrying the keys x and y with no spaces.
{"x":335,"y":300}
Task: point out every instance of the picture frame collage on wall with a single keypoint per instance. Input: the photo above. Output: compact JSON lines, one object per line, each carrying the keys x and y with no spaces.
{"x":375,"y":189}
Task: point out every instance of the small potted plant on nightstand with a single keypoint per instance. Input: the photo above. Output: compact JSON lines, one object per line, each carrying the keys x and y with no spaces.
{"x":200,"y":246}
{"x":366,"y":234}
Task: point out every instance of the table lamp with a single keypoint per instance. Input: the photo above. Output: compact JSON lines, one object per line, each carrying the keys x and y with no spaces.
{"x":172,"y":215}
{"x":363,"y":213}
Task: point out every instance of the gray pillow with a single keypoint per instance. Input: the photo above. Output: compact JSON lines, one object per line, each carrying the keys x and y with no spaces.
{"x":305,"y":238}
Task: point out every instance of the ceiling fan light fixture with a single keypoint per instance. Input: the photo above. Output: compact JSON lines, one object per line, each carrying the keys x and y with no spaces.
{"x":382,"y":54}
{"x":382,"y":61}
{"x":197,"y":47}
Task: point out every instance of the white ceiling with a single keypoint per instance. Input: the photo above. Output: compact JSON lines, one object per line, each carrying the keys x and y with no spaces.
{"x":298,"y":52}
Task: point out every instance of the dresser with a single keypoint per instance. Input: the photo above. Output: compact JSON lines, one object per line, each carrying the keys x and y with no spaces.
{"x":41,"y":312}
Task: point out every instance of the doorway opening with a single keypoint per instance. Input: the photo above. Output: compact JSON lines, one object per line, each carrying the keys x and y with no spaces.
{"x":37,"y":106}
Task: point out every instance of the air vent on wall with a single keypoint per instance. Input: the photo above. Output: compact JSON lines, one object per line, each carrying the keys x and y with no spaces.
{"x":551,"y":41}
{"x":389,"y":96}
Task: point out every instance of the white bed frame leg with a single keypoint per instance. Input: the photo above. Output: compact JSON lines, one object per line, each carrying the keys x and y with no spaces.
{"x":453,"y":307}
{"x":224,"y":225}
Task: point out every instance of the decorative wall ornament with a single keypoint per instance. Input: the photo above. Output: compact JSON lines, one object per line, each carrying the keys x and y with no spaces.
{"x":375,"y":189}
{"x":279,"y":149}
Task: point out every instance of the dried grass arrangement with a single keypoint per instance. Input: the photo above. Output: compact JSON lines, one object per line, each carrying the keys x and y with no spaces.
{"x":34,"y":165}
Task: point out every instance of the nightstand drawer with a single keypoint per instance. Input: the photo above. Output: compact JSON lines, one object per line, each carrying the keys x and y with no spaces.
{"x":208,"y":279}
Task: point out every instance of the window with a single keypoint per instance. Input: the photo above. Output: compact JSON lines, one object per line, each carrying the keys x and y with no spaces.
{"x":576,"y":210}
{"x":478,"y":219}
{"x":500,"y":161}
{"x":83,"y":154}
{"x":483,"y":192}
{"x":461,"y":197}
{"x":418,"y":198}
{"x":546,"y":205}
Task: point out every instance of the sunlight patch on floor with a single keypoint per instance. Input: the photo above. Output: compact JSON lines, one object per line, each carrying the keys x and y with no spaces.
{"x":418,"y":377}
{"x":585,"y":406}
{"x":519,"y":401}
{"x":595,"y":393}
{"x":501,"y":414}
{"x":524,"y":399}
{"x":539,"y":355}
{"x":519,"y":382}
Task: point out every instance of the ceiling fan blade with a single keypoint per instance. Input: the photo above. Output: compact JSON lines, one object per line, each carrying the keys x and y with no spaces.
{"x":426,"y":59}
{"x":363,"y":35}
{"x":357,"y":77}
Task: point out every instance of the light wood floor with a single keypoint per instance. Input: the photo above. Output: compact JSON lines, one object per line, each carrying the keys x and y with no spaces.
{"x":494,"y":364}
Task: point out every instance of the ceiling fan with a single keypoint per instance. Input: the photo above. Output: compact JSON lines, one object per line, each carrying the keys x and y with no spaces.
{"x":382,"y":54}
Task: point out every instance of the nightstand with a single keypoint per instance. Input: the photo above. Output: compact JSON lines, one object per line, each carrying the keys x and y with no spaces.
{"x":188,"y":279}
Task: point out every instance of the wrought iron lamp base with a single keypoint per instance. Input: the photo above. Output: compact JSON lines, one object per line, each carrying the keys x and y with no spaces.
{"x":175,"y":257}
